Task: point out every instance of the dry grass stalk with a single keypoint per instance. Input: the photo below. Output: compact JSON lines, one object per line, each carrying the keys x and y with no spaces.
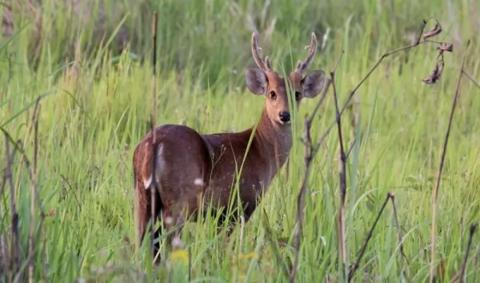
{"x":399,"y":228}
{"x":342,"y":245}
{"x":153,"y":187}
{"x":15,"y":267}
{"x":310,"y":151}
{"x":436,"y":188}
{"x":356,"y":265}
{"x":13,"y":260}
{"x":476,"y":83}
{"x":422,"y":38}
{"x":419,"y":41}
{"x":460,"y":276}
{"x":33,"y":194}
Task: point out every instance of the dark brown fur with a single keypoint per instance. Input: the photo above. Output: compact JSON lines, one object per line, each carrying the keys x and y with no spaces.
{"x":194,"y":170}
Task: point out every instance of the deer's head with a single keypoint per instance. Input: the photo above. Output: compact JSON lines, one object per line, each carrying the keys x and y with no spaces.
{"x":265,"y":81}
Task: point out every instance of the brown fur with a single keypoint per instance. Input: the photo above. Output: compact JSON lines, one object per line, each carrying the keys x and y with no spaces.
{"x":194,"y":170}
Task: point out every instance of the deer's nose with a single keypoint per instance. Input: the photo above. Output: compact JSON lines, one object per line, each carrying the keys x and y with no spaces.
{"x":284,"y":116}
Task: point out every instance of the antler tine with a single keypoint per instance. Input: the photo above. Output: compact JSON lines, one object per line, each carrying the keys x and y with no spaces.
{"x":268,"y":64}
{"x":262,"y":64}
{"x":312,"y":49}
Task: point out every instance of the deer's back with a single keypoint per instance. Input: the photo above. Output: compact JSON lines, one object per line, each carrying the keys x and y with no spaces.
{"x":182,"y":165}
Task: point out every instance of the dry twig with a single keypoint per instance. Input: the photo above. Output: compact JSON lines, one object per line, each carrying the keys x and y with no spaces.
{"x":420,"y":41}
{"x":356,"y":265}
{"x":436,"y":189}
{"x":15,"y":240}
{"x":153,"y":186}
{"x":34,"y":199}
{"x":311,"y":150}
{"x":343,"y":183}
{"x":460,"y":276}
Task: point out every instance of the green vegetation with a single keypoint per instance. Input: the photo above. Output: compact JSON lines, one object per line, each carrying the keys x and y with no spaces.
{"x":90,"y":63}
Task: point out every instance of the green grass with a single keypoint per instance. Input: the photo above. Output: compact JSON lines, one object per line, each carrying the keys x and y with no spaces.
{"x":98,"y":101}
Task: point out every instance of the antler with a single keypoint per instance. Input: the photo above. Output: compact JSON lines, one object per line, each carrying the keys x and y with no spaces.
{"x":312,"y":49}
{"x":264,"y":65}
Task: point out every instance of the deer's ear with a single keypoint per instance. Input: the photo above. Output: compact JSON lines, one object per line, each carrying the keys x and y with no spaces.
{"x":256,"y":81}
{"x":313,"y":83}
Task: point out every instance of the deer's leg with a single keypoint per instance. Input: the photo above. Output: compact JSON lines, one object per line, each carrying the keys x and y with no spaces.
{"x":173,"y":221}
{"x":156,"y":209}
{"x":147,"y":204}
{"x":142,"y":210}
{"x":174,"y":217}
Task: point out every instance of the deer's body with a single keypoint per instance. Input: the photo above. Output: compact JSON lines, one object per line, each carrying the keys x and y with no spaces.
{"x":181,"y":170}
{"x":206,"y":169}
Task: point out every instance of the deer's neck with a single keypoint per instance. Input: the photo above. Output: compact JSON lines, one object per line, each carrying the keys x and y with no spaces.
{"x":274,"y":142}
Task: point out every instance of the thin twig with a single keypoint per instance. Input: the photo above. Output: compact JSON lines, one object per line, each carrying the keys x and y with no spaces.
{"x":343,"y":183}
{"x":15,"y":240}
{"x":356,"y":265}
{"x":419,"y":41}
{"x":320,"y":101}
{"x":440,"y":171}
{"x":33,"y":194}
{"x":153,"y":185}
{"x":477,"y":84}
{"x":473,"y":229}
{"x":301,"y":199}
{"x":399,"y":228}
{"x":310,"y":152}
{"x":350,"y":148}
{"x":4,"y":182}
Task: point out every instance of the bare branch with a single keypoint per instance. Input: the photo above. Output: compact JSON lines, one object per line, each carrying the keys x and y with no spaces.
{"x":460,"y":277}
{"x":342,"y":249}
{"x":308,"y":157}
{"x":476,"y":83}
{"x":355,"y":266}
{"x":436,"y":189}
{"x":310,"y":150}
{"x":419,"y":41}
{"x":15,"y":240}
{"x":153,"y":185}
{"x":399,"y":228}
{"x":33,"y":194}
{"x":350,"y":148}
{"x":320,"y":101}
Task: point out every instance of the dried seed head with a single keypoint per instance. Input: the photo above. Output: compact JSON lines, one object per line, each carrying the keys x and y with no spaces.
{"x":437,"y":29}
{"x":445,"y":47}
{"x":437,"y":71}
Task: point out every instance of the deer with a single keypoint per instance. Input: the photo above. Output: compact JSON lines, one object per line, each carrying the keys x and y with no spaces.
{"x":178,"y":170}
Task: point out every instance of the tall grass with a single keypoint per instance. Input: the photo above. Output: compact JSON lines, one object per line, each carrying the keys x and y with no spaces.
{"x":90,"y":63}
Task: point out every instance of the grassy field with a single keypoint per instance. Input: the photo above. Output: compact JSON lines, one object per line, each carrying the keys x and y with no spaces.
{"x":89,"y":62}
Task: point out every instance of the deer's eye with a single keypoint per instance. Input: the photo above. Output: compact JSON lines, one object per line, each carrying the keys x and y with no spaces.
{"x":298,"y":95}
{"x":272,"y":95}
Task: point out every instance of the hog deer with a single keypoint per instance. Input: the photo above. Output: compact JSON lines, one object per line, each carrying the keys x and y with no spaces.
{"x":181,"y":170}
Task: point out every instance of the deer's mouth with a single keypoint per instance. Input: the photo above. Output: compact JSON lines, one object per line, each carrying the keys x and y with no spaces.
{"x":283,"y":123}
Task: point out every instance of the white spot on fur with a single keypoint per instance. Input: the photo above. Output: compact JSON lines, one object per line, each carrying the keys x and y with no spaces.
{"x":160,"y":162}
{"x":198,"y":182}
{"x":177,"y":243}
{"x":147,"y":182}
{"x":168,"y":220}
